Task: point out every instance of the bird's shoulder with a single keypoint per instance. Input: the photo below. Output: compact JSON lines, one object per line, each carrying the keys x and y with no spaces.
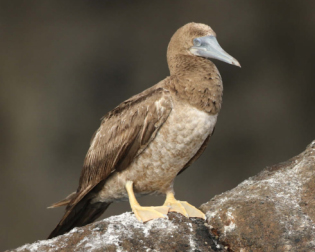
{"x":158,"y":92}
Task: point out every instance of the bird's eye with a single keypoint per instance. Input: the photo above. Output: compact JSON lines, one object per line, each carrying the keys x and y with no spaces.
{"x":197,"y":42}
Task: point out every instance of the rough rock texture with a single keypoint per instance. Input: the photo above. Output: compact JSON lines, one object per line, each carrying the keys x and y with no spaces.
{"x":124,"y":233}
{"x":272,"y":211}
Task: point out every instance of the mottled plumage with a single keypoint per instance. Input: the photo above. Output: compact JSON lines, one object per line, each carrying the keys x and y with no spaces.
{"x":152,"y":137}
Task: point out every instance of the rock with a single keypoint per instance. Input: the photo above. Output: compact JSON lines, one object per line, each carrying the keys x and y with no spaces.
{"x":272,"y":211}
{"x":125,"y":233}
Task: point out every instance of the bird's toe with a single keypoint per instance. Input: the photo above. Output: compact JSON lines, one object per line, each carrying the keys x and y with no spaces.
{"x":192,"y":211}
{"x":177,"y":207}
{"x":145,"y":214}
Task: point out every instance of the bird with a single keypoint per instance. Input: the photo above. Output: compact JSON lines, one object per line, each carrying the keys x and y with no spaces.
{"x":144,"y":143}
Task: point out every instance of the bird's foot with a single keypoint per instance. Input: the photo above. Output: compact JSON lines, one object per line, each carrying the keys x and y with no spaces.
{"x":182,"y":207}
{"x":192,"y":211}
{"x":145,"y":214}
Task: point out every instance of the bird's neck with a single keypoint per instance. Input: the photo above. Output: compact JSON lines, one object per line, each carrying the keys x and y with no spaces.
{"x":198,"y":82}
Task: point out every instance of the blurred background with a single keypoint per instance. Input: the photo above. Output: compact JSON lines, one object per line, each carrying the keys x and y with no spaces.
{"x":64,"y":64}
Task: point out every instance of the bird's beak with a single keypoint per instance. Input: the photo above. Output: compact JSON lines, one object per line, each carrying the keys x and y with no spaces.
{"x":209,"y":47}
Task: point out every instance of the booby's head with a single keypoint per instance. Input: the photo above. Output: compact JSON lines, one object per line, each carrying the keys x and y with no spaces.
{"x":197,"y":40}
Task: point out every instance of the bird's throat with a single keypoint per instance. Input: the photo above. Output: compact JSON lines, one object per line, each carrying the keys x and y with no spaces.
{"x":199,"y":83}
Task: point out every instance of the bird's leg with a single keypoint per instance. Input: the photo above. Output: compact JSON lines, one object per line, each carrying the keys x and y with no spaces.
{"x":182,"y":207}
{"x":144,"y":213}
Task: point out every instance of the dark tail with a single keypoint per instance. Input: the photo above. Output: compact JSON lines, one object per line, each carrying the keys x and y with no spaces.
{"x":82,"y":213}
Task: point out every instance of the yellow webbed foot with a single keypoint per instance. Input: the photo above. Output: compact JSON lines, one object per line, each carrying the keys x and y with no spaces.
{"x":176,"y":206}
{"x":192,"y":211}
{"x":182,"y":207}
{"x":144,"y":214}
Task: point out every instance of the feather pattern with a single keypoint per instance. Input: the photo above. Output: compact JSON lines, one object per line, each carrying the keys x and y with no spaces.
{"x":123,"y":134}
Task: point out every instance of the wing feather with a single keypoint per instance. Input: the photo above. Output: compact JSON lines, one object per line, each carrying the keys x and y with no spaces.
{"x":124,"y":133}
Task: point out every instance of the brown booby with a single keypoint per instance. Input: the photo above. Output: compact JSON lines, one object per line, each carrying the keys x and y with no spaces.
{"x":149,"y":139}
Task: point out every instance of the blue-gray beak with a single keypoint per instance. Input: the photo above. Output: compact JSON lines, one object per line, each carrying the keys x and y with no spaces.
{"x":209,"y":47}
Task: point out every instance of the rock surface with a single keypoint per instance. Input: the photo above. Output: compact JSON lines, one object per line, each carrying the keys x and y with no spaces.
{"x":272,"y":211}
{"x":125,"y":233}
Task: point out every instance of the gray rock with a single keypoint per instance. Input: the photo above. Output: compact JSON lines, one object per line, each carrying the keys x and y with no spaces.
{"x":272,"y":211}
{"x":125,"y":233}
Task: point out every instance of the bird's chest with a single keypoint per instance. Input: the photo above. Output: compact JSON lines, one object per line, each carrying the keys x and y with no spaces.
{"x":183,"y":134}
{"x":176,"y":143}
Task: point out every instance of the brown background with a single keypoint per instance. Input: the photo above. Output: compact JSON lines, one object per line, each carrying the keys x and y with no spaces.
{"x":64,"y":64}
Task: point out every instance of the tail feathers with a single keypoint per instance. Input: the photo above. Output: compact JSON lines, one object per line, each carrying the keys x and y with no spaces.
{"x":79,"y":215}
{"x":64,"y":202}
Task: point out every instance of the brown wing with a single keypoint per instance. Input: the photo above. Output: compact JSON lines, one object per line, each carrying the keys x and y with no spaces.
{"x":198,"y":154}
{"x":124,"y":133}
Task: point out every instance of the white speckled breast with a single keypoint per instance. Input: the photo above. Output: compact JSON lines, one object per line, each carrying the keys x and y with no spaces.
{"x":154,"y":170}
